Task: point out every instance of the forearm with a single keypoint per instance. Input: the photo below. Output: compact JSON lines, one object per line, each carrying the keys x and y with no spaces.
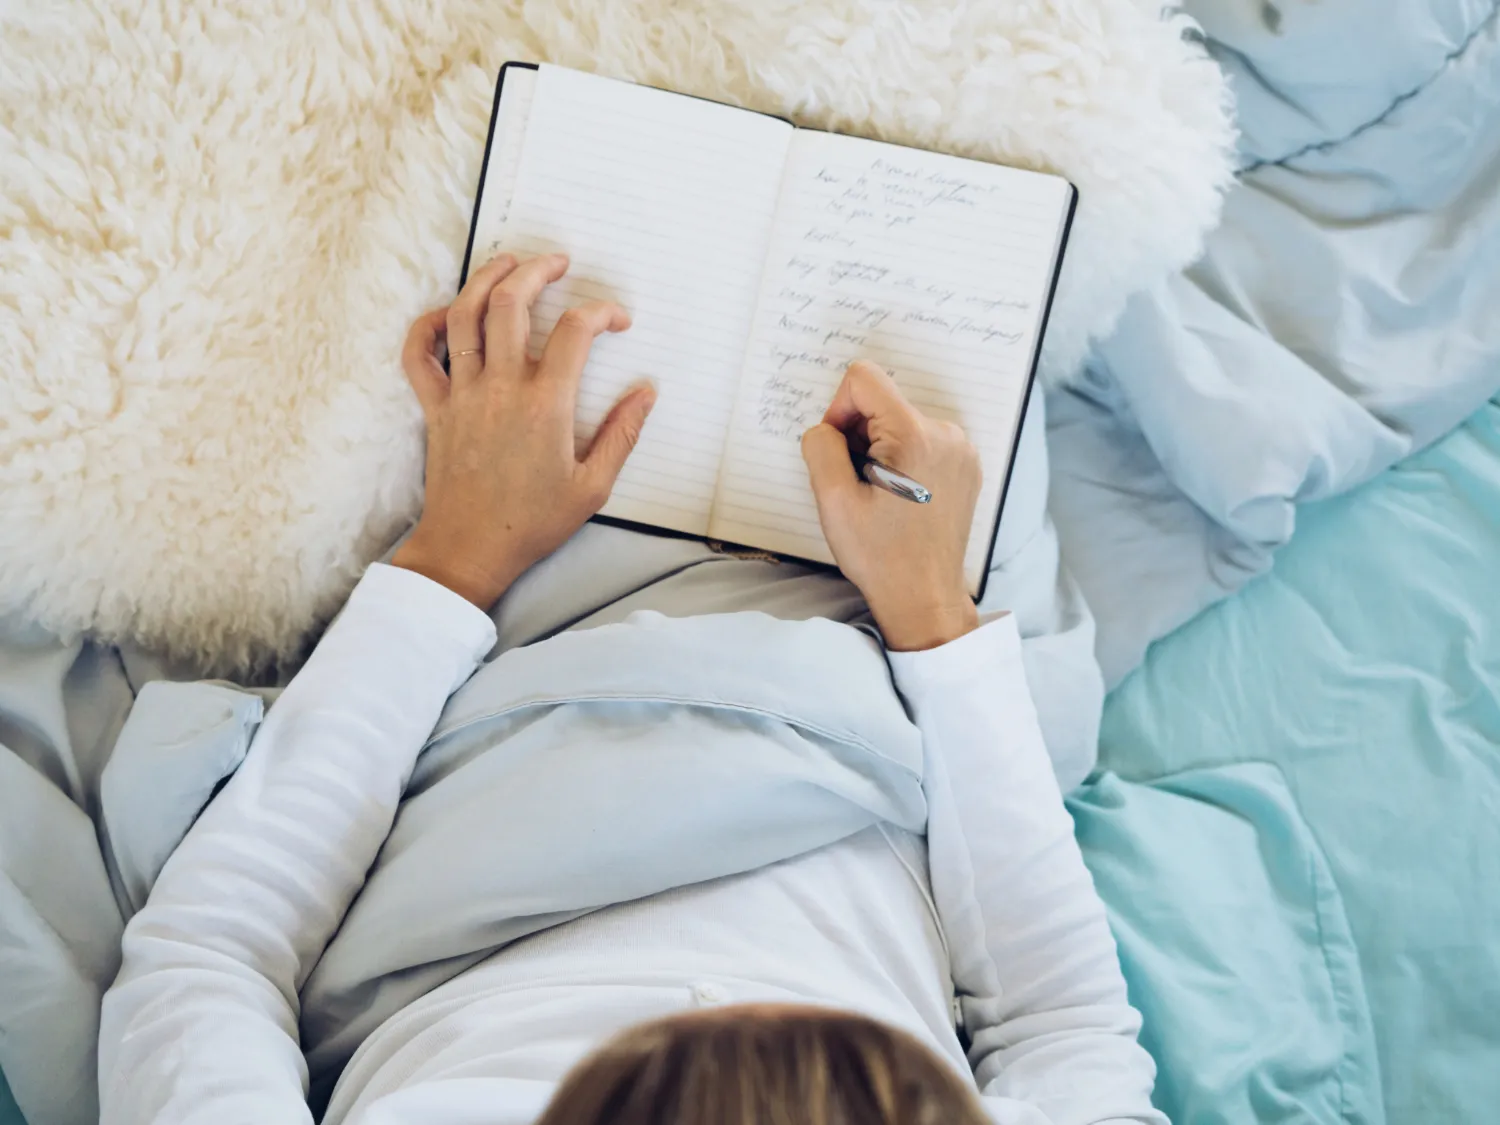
{"x":1032,"y":956}
{"x":202,"y":1020}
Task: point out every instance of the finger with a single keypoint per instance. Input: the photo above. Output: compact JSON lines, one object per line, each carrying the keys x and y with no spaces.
{"x":419,"y":360}
{"x":466,"y":317}
{"x":826,"y":451}
{"x":507,"y":322}
{"x":614,"y":440}
{"x":868,"y":394}
{"x":572,"y":339}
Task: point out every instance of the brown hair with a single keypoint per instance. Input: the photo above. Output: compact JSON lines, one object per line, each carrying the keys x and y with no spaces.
{"x":764,"y":1066}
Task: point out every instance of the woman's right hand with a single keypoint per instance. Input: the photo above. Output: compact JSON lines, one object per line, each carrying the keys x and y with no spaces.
{"x":907,"y":559}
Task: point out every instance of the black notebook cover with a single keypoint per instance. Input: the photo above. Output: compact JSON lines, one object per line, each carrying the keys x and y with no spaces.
{"x":1028,"y":391}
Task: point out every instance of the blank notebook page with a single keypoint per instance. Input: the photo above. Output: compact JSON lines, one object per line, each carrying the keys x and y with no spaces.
{"x":663,"y":203}
{"x":937,"y":269}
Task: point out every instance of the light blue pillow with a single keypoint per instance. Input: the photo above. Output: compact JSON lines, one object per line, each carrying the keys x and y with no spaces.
{"x":1234,"y":942}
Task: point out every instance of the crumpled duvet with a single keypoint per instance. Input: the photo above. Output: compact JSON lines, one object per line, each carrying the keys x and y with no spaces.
{"x":1345,"y":314}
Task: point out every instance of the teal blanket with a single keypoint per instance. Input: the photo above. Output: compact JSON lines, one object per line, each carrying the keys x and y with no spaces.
{"x":1298,"y":824}
{"x":1299,"y":831}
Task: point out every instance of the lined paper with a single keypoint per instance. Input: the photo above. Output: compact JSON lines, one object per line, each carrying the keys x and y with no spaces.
{"x":935,"y":268}
{"x":665,"y":204}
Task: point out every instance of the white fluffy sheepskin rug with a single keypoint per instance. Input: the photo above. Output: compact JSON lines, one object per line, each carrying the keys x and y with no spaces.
{"x":219,"y":218}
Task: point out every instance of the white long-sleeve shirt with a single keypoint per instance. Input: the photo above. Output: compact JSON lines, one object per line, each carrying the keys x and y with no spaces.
{"x":995,"y":907}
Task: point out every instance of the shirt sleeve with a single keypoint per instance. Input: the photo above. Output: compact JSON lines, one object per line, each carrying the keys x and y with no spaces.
{"x":201,"y":1023}
{"x":1034,"y":963}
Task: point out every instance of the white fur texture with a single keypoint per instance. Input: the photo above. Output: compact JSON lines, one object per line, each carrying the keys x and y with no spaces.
{"x":219,"y":218}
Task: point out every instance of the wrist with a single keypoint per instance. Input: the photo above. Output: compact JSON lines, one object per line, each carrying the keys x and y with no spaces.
{"x":916,"y":626}
{"x":451,"y":566}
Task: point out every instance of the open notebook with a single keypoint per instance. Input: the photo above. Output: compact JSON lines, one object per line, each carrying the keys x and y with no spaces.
{"x":757,"y":260}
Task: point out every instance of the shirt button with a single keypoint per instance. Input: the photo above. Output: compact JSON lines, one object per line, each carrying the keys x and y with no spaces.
{"x":708,"y":994}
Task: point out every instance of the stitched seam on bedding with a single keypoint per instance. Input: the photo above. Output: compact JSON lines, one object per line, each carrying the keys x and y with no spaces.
{"x":1320,"y":878}
{"x":1333,"y":984}
{"x":1325,"y":146}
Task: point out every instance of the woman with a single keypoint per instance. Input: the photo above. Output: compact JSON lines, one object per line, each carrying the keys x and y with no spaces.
{"x":938,"y":968}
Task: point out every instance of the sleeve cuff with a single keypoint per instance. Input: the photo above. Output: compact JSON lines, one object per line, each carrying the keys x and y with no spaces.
{"x":975,"y":656}
{"x":432,"y":615}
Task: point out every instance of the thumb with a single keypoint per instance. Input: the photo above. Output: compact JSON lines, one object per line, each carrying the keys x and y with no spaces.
{"x":826,"y":451}
{"x":617,"y":436}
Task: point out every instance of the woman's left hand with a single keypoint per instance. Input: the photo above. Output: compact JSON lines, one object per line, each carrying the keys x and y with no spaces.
{"x":505,"y":485}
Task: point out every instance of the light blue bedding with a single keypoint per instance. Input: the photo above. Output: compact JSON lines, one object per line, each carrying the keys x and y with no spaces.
{"x":1342,"y":317}
{"x":1299,"y":838}
{"x":9,"y":1113}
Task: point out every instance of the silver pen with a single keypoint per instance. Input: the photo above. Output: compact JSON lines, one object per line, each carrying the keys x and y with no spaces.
{"x":873,"y":472}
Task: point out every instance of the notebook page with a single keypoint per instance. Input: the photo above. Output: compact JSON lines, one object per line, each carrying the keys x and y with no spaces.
{"x":936,"y":268}
{"x":499,"y":187}
{"x":664,"y":203}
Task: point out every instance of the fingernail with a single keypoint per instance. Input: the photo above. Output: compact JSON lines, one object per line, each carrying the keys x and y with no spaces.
{"x":647,"y":392}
